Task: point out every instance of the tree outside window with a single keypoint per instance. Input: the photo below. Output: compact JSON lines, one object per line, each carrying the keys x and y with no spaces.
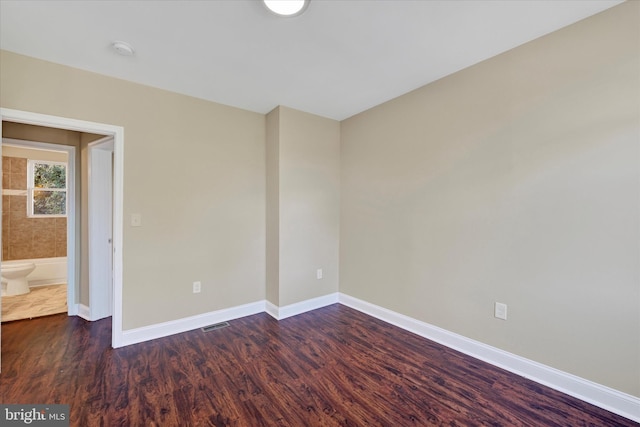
{"x":47,"y":188}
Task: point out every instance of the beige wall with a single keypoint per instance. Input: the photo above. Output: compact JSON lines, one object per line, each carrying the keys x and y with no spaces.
{"x":515,"y":180}
{"x":40,"y":133}
{"x":193,"y":169}
{"x":303,"y":186}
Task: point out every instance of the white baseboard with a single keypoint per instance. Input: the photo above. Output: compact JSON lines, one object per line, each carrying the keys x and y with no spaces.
{"x":604,"y":397}
{"x":47,"y":282}
{"x":160,"y":330}
{"x":271,"y":309}
{"x":72,"y":310}
{"x":84,"y":312}
{"x":280,"y":313}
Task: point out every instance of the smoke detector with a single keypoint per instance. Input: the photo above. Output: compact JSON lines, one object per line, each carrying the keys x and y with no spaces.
{"x":122,"y":48}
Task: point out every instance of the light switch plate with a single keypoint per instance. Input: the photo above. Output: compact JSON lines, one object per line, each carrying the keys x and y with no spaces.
{"x":501,"y":311}
{"x":136,"y":220}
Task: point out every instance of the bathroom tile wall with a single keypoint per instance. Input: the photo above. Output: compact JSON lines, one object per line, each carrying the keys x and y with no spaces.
{"x":23,"y":237}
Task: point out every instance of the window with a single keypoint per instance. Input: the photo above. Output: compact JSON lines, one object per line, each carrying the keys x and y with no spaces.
{"x":47,"y":188}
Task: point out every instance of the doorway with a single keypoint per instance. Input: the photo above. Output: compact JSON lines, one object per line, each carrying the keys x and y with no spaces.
{"x":116,"y":153}
{"x":55,"y":262}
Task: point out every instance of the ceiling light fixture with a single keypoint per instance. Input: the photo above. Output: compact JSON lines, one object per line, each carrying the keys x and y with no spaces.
{"x":286,"y":8}
{"x":123,"y":48}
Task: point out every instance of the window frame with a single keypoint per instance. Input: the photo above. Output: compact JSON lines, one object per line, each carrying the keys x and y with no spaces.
{"x":31,"y":189}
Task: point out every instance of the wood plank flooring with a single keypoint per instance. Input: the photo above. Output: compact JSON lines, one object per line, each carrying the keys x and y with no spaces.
{"x":329,"y":367}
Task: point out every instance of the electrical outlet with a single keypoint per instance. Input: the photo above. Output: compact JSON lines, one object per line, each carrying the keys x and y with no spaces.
{"x":197,"y":287}
{"x":319,"y":274}
{"x":501,"y":311}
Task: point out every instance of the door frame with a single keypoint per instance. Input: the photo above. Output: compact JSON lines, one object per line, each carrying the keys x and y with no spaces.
{"x":117,"y":132}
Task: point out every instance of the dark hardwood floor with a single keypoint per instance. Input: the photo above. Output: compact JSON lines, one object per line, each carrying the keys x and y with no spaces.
{"x":329,"y":367}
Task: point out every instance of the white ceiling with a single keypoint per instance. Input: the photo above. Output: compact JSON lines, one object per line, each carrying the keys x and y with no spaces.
{"x":339,"y":58}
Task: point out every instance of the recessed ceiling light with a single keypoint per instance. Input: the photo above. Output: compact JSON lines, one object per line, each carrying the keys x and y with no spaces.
{"x":123,"y":48}
{"x":287,"y":7}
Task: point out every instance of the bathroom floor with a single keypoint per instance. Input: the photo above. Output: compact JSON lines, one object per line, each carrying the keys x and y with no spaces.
{"x":41,"y":301}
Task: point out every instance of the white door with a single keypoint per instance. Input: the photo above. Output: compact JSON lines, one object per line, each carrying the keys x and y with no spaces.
{"x":101,"y":229}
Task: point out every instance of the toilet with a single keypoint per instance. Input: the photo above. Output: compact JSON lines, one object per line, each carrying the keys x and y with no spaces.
{"x":16,"y":277}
